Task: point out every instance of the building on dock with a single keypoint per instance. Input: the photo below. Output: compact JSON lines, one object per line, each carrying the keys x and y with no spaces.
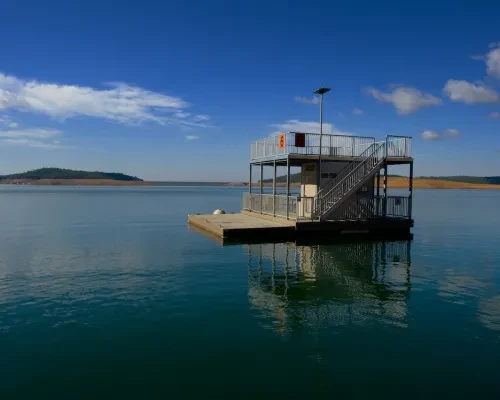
{"x":343,"y":188}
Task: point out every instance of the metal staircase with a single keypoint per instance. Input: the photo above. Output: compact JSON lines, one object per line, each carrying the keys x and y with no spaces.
{"x":349,"y":180}
{"x":345,"y":171}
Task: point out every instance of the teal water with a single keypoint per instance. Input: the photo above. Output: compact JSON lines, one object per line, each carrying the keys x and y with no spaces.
{"x":106,"y":293}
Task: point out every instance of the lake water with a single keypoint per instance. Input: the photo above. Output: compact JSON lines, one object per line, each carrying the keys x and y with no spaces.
{"x":106,"y":293}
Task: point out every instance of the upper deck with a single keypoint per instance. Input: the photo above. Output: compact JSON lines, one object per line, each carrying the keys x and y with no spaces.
{"x":333,"y":147}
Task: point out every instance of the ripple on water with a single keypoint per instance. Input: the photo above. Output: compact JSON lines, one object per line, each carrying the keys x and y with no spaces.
{"x":489,"y":313}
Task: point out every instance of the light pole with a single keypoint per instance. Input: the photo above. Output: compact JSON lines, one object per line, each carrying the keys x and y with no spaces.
{"x":321,"y":92}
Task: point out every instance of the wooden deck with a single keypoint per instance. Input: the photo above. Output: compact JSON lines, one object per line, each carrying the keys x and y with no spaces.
{"x":244,"y":225}
{"x":249,"y":227}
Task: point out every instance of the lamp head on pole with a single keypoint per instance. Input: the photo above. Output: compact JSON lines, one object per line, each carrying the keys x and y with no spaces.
{"x":322,"y":90}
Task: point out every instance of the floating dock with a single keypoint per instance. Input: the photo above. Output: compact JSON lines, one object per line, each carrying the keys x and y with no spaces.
{"x":251,"y":227}
{"x":342,"y":191}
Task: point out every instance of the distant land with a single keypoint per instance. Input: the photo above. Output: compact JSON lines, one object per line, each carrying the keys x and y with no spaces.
{"x":490,"y":180}
{"x":401,"y":182}
{"x":61,"y":173}
{"x":60,"y":176}
{"x":68,"y":177}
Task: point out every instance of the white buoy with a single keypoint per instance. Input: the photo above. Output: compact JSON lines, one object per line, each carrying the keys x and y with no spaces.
{"x":219,"y":211}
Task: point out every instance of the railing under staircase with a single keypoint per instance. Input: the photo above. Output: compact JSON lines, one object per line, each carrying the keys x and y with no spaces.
{"x":349,"y":179}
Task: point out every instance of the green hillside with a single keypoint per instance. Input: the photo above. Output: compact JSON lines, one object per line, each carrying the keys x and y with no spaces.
{"x":60,"y":173}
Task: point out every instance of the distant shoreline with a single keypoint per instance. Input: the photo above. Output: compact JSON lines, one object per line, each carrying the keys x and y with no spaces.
{"x":393,"y":183}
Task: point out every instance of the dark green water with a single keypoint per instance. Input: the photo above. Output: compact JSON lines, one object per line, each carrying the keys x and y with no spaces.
{"x":106,"y":293}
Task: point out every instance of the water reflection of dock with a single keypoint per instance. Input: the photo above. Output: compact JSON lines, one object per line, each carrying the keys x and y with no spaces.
{"x":295,"y":286}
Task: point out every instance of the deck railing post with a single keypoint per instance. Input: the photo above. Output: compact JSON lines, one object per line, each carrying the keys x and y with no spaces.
{"x":378,"y":192}
{"x":384,"y":211}
{"x":261,"y":184}
{"x":250,"y":181}
{"x":274,"y":188}
{"x":410,"y":191}
{"x":287,"y":186}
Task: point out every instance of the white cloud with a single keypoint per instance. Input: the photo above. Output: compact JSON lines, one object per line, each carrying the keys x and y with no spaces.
{"x":118,"y":102}
{"x":31,"y":137}
{"x":307,"y":100}
{"x":406,"y":100}
{"x":494,"y":115}
{"x":493,"y":63}
{"x":37,"y":133}
{"x":478,"y":57}
{"x":492,"y":59}
{"x":430,"y":135}
{"x":452,"y":132}
{"x":294,"y":125}
{"x":470,"y":93}
{"x":33,"y":143}
{"x":357,"y":111}
{"x":201,"y":117}
{"x":6,"y":121}
{"x":192,"y":137}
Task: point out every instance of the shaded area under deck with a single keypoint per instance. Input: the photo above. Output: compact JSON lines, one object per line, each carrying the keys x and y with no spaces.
{"x":251,"y":227}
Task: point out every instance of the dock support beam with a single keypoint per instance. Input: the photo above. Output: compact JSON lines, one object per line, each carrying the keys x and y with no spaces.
{"x":287,"y":187}
{"x":261,"y":184}
{"x":274,"y":188}
{"x":410,"y":191}
{"x":378,"y":183}
{"x":378,"y":191}
{"x":384,"y":212}
{"x":250,"y":181}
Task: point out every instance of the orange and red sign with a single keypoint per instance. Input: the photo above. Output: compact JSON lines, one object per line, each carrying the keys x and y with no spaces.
{"x":282,"y":141}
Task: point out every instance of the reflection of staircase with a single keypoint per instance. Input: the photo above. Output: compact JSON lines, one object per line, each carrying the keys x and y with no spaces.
{"x":349,"y":180}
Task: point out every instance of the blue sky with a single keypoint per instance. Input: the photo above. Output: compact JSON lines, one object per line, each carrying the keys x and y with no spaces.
{"x":178,"y":90}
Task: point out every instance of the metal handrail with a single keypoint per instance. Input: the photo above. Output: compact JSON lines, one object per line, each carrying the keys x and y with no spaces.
{"x":344,"y":172}
{"x":345,"y":186}
{"x":269,"y":204}
{"x":332,"y":145}
{"x":376,"y":207}
{"x":398,"y":146}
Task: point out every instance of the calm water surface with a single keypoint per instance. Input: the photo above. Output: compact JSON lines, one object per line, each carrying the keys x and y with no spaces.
{"x":106,"y":293}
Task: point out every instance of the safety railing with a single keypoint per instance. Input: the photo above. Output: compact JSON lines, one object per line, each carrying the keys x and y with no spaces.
{"x":376,"y":207}
{"x":271,"y":205}
{"x":298,"y":207}
{"x":288,"y":143}
{"x":331,"y":145}
{"x":398,"y":146}
{"x":361,"y":208}
{"x":397,"y":206}
{"x":302,"y":208}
